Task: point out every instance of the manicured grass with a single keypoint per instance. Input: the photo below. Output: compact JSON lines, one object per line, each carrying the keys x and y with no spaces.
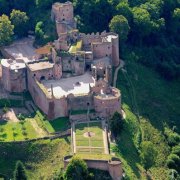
{"x":16,"y":131}
{"x":87,"y":142}
{"x":60,"y":124}
{"x":41,"y":158}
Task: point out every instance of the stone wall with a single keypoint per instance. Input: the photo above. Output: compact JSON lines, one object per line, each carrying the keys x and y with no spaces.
{"x":113,"y":166}
{"x":82,"y":102}
{"x":14,"y":80}
{"x":52,"y":107}
{"x":107,"y":105}
{"x":101,"y":50}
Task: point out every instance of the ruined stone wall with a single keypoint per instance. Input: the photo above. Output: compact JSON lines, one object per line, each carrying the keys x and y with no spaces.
{"x":52,"y":107}
{"x":14,"y":81}
{"x":43,"y":74}
{"x":87,"y":39}
{"x":80,"y":102}
{"x":62,"y":12}
{"x":101,"y":50}
{"x":107,"y":105}
{"x":37,"y":94}
{"x":115,"y":51}
{"x":114,"y":166}
{"x":61,"y":28}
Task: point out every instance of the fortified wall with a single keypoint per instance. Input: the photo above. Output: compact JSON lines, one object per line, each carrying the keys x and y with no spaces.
{"x":113,"y":166}
{"x":14,"y":75}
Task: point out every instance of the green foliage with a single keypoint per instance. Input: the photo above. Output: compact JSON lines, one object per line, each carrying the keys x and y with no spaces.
{"x":76,"y":170}
{"x":119,"y":24}
{"x":20,"y":21}
{"x":173,"y":162}
{"x":4,"y":7}
{"x":142,"y":21}
{"x":116,"y":123}
{"x":6,"y":30}
{"x":176,"y":150}
{"x":42,"y":158}
{"x":44,"y":4}
{"x":39,"y":30}
{"x":173,"y":138}
{"x":124,"y":9}
{"x":20,"y":172}
{"x":148,"y":154}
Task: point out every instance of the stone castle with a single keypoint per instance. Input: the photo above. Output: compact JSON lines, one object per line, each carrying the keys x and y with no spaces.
{"x":74,"y":73}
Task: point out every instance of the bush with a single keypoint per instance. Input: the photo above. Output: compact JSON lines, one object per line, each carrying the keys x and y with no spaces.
{"x":173,"y":162}
{"x":176,"y":150}
{"x":116,"y":123}
{"x":148,"y":154}
{"x":76,"y":169}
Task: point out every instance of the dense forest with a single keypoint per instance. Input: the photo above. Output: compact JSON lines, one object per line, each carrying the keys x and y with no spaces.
{"x":148,"y":29}
{"x":150,"y":45}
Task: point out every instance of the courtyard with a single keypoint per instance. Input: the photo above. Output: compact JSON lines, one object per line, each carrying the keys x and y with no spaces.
{"x":90,"y":138}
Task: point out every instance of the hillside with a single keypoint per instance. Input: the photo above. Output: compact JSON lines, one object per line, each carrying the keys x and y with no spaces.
{"x":155,"y":101}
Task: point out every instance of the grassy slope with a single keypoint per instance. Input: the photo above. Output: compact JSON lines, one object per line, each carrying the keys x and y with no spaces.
{"x":156,"y":101}
{"x":41,"y":158}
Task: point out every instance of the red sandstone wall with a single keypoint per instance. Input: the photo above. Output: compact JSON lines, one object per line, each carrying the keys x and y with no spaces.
{"x":101,"y":50}
{"x":107,"y":107}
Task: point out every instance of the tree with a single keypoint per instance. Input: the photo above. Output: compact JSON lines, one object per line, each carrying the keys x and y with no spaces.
{"x":148,"y":154}
{"x":119,"y":24}
{"x":124,"y":9}
{"x":116,"y":123}
{"x":142,"y":22}
{"x":44,"y":4}
{"x":39,"y":31}
{"x":76,"y":170}
{"x":173,"y":162}
{"x":20,"y":21}
{"x":20,"y":171}
{"x":4,"y":7}
{"x":6,"y":30}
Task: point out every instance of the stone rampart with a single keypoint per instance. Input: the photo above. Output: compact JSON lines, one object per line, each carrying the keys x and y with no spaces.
{"x":113,"y":166}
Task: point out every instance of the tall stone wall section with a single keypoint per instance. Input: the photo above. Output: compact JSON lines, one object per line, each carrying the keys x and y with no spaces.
{"x":52,"y":107}
{"x":14,"y":80}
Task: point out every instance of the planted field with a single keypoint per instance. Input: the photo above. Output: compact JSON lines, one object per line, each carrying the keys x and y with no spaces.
{"x":17,"y":131}
{"x":89,"y":138}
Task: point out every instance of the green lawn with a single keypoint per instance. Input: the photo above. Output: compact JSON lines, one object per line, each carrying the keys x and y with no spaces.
{"x":156,"y":101}
{"x":95,"y":141}
{"x":16,"y":131}
{"x":41,"y":158}
{"x":59,"y":124}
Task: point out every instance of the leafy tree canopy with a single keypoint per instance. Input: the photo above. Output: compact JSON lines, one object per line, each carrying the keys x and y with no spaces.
{"x":6,"y":30}
{"x":76,"y":170}
{"x":20,"y":171}
{"x":148,"y":154}
{"x":20,"y":21}
{"x":119,"y":24}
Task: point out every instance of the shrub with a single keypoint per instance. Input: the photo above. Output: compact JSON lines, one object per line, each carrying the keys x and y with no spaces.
{"x":20,"y":171}
{"x":148,"y":154}
{"x":176,"y":150}
{"x":173,"y":162}
{"x":116,"y":123}
{"x":76,"y":169}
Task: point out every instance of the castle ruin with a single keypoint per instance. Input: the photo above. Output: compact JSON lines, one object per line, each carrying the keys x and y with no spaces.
{"x":76,"y":73}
